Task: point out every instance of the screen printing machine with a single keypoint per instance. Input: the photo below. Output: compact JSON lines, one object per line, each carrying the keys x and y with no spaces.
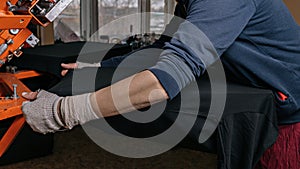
{"x":247,"y":128}
{"x":15,"y":16}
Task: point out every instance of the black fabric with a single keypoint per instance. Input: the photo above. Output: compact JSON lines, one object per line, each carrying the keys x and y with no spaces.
{"x":27,"y":145}
{"x":48,"y":58}
{"x":247,"y":128}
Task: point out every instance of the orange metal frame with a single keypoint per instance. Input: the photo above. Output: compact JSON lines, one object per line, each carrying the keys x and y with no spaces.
{"x":9,"y":21}
{"x":13,"y":36}
{"x":11,"y":107}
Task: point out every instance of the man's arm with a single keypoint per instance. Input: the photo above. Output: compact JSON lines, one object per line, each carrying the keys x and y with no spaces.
{"x":136,"y":92}
{"x":50,"y":113}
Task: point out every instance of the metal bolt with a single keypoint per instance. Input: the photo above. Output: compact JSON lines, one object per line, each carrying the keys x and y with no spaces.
{"x":2,"y":62}
{"x":4,"y":46}
{"x":20,"y":2}
{"x":8,"y":3}
{"x":9,"y":57}
{"x":38,"y":7}
{"x":11,"y":7}
{"x":9,"y":41}
{"x":15,"y":95}
{"x":42,"y":11}
{"x":14,"y":69}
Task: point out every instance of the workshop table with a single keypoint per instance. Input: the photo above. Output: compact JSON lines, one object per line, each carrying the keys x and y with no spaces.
{"x":247,"y":128}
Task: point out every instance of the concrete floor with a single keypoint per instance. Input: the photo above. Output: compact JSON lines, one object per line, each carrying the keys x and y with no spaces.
{"x":73,"y":149}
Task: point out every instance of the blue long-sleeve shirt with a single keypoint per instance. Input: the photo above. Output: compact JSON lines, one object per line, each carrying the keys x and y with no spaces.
{"x":258,"y":41}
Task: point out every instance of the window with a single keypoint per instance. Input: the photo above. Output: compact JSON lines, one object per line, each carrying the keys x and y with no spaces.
{"x":117,"y":19}
{"x":157,"y":22}
{"x":112,"y":20}
{"x":67,"y":24}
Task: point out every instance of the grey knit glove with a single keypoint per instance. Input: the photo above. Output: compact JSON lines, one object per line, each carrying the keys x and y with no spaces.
{"x":41,"y":114}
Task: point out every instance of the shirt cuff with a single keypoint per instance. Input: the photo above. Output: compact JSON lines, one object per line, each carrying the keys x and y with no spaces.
{"x":173,"y":74}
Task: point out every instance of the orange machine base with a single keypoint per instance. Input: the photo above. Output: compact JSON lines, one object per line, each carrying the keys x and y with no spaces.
{"x":10,"y":107}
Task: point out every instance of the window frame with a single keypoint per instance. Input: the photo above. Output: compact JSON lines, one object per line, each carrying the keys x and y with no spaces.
{"x":89,"y":14}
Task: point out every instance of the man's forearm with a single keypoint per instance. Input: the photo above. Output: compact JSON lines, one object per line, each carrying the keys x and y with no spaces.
{"x":135,"y":92}
{"x":48,"y":113}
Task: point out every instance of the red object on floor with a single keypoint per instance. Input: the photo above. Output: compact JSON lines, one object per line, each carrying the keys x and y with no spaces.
{"x":285,"y":152}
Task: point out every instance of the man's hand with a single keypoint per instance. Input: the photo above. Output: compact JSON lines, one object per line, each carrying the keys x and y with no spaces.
{"x":67,"y":66}
{"x":47,"y":113}
{"x":78,"y":65}
{"x":41,"y":113}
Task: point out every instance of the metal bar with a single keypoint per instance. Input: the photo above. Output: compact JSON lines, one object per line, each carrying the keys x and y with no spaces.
{"x":11,"y":134}
{"x":12,"y":107}
{"x":10,"y":112}
{"x":14,"y":21}
{"x":27,"y":74}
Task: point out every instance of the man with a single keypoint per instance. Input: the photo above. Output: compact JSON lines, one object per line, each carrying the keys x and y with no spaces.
{"x":257,"y":41}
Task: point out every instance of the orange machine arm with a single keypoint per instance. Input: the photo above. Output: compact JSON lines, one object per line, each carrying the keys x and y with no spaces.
{"x":15,"y":16}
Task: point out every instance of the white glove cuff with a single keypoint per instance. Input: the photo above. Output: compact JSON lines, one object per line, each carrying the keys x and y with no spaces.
{"x":77,"y":110}
{"x":56,"y":113}
{"x":81,"y":65}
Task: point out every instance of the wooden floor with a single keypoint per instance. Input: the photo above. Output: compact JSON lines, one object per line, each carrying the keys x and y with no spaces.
{"x":73,"y":149}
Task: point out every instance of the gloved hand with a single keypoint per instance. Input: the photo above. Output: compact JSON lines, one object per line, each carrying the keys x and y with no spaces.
{"x":42,"y":113}
{"x":49,"y":113}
